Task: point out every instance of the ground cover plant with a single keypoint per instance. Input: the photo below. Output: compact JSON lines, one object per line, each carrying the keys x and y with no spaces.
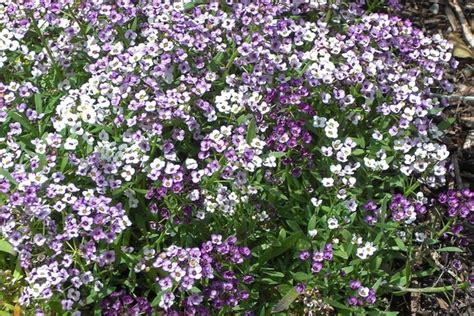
{"x":223,"y":157}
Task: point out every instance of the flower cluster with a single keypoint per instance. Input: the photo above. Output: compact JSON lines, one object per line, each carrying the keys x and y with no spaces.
{"x":213,"y":268}
{"x":136,"y":124}
{"x":122,"y":303}
{"x":318,"y":258}
{"x":459,"y":203}
{"x":404,"y":210}
{"x":363,"y":295}
{"x":460,"y":206}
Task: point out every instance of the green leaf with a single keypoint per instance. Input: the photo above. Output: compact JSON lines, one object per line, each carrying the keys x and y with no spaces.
{"x":8,"y":176}
{"x":277,"y":154}
{"x":274,"y":251}
{"x":17,"y":273}
{"x":294,"y":225}
{"x":134,"y":26}
{"x":285,"y":301}
{"x":400,"y":244}
{"x":358,"y":152}
{"x":377,"y":284}
{"x":444,"y":125}
{"x":312,"y":222}
{"x":64,"y":162}
{"x":275,"y":274}
{"x":23,"y":121}
{"x":338,"y":305}
{"x":193,"y":4}
{"x":38,"y":103}
{"x":157,"y":299}
{"x":141,"y":191}
{"x":301,"y":276}
{"x":341,"y":253}
{"x":251,"y":131}
{"x":359,"y":141}
{"x":5,"y":246}
{"x":450,"y":249}
{"x":348,"y":269}
{"x":241,"y":119}
{"x":217,"y":60}
{"x":56,"y":306}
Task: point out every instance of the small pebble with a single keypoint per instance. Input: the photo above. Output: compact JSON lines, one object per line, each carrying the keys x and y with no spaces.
{"x":434,"y":8}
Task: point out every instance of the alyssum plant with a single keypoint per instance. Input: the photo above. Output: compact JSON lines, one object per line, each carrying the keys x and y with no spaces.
{"x":219,"y":157}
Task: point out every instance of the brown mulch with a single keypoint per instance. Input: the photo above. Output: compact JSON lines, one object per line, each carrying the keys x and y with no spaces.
{"x":439,"y":16}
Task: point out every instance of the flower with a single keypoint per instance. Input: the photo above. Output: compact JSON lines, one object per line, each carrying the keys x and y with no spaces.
{"x":327,"y":182}
{"x":333,"y":223}
{"x":70,"y":144}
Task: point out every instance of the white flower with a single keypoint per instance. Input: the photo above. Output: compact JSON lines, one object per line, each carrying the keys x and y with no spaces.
{"x":127,"y":173}
{"x":420,"y":237}
{"x":327,"y":182}
{"x":191,"y":164}
{"x":312,"y":233}
{"x":333,"y":223}
{"x":363,"y":292}
{"x":361,"y":253}
{"x":351,"y":205}
{"x":171,"y":168}
{"x":316,"y":202}
{"x":336,"y":169}
{"x":88,"y":115}
{"x":357,"y":240}
{"x":270,"y":162}
{"x":257,"y":143}
{"x":157,"y":164}
{"x":377,"y":135}
{"x":366,"y":251}
{"x":369,"y":248}
{"x":166,"y":45}
{"x":319,"y":122}
{"x":70,"y":144}
{"x":326,"y":151}
{"x":331,"y":128}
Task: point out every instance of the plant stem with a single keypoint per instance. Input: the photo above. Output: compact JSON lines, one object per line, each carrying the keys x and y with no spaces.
{"x":441,"y":289}
{"x":44,"y":41}
{"x":445,"y":228}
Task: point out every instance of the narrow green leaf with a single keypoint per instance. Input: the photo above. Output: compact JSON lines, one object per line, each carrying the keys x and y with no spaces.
{"x":5,"y":246}
{"x":338,"y":305}
{"x":312,"y":222}
{"x":23,"y":121}
{"x":341,"y":253}
{"x":7,"y":175}
{"x":157,"y":299}
{"x":301,"y":276}
{"x":277,"y":154}
{"x":285,"y":301}
{"x":38,"y":103}
{"x":450,"y":249}
{"x":275,"y":251}
{"x":400,"y":244}
{"x":251,"y":131}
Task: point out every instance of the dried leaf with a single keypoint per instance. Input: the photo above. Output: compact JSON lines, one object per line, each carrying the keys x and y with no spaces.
{"x":452,"y":19}
{"x":17,"y":310}
{"x":461,"y":50}
{"x":442,"y":303}
{"x":465,"y":89}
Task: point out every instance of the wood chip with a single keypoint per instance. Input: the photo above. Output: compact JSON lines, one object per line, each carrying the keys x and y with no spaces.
{"x":465,"y":27}
{"x":452,"y":19}
{"x":469,"y":141}
{"x":442,"y":303}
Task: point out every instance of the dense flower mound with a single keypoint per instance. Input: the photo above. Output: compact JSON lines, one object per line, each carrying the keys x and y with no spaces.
{"x":136,"y":133}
